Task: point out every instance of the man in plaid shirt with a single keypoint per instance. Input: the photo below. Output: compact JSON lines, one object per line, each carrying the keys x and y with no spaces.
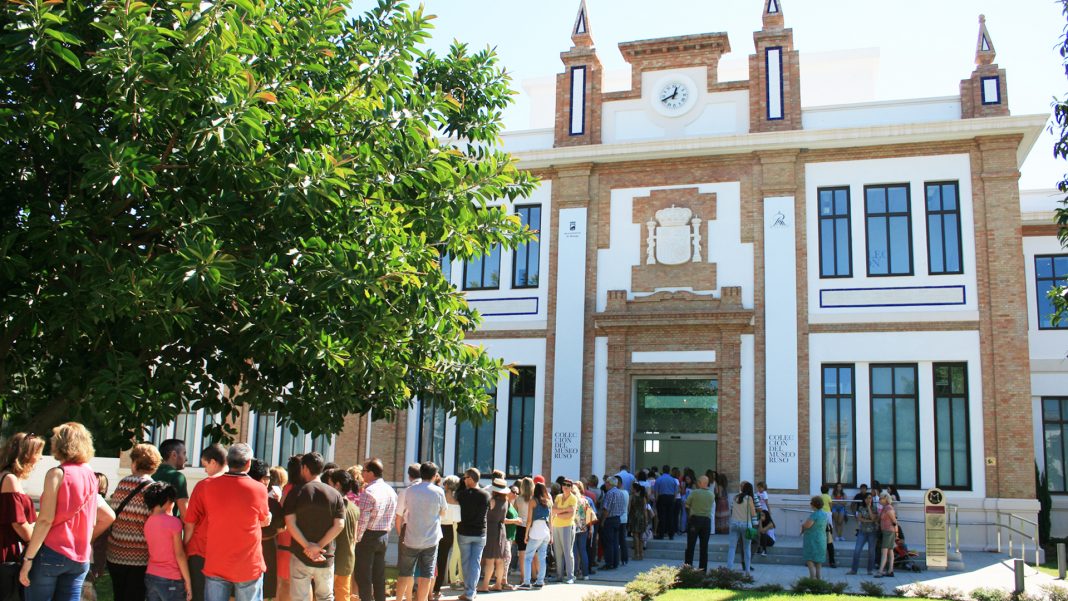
{"x":615,"y":505}
{"x":378,"y":506}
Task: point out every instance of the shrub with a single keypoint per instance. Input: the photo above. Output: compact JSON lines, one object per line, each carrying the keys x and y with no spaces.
{"x":990,"y":594}
{"x":921,"y":590}
{"x":953,"y":594}
{"x":688,"y":577}
{"x":644,"y":589}
{"x":815,"y":586}
{"x":727,"y":579}
{"x":872,"y":589}
{"x":663,"y":576}
{"x":1055,"y":593}
{"x":768,"y":588}
{"x":610,"y":595}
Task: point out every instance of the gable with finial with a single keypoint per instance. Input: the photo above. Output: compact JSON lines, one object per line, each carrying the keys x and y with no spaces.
{"x":580,"y":31}
{"x":772,"y":7}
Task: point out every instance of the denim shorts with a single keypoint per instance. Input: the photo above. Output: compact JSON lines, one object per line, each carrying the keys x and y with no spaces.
{"x":163,"y":589}
{"x":408,"y":559}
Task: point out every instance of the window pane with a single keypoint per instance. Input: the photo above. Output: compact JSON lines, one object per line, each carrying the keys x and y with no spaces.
{"x":1051,"y":410}
{"x":465,"y":446}
{"x":492,"y":268}
{"x":878,"y":263}
{"x":876,"y":200}
{"x":827,"y":247}
{"x":904,"y":380}
{"x":1044,"y":267}
{"x":952,"y":244}
{"x":841,"y":202}
{"x":1054,"y":443}
{"x":1060,"y":266}
{"x":934,"y":243}
{"x":845,"y":380}
{"x":898,"y":199}
{"x":882,"y":440}
{"x":943,"y":440}
{"x":842,"y":250}
{"x":533,"y":263}
{"x":830,"y":380}
{"x":960,"y":442}
{"x":934,"y":200}
{"x":907,"y":434}
{"x":847,"y":440}
{"x":880,"y":380}
{"x":826,"y":203}
{"x":900,"y":261}
{"x":474,"y":273}
{"x":949,"y":197}
{"x":831,"y":440}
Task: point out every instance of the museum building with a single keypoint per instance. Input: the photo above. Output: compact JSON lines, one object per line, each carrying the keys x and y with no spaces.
{"x":726,"y":279}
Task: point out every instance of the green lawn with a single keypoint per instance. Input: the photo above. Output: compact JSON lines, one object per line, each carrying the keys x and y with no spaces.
{"x":1050,"y":567}
{"x":727,"y":595}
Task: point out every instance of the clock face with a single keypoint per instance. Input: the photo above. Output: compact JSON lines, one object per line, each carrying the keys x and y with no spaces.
{"x":674,"y":95}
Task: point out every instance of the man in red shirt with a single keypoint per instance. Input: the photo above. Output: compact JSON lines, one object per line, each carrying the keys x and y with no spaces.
{"x":213,"y":460}
{"x":233,"y":564}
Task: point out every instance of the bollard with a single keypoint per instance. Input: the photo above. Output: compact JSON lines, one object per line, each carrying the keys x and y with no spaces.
{"x":1018,"y":568}
{"x":1061,"y":563}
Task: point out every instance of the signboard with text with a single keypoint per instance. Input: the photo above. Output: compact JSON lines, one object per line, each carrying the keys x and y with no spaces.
{"x":935,"y":524}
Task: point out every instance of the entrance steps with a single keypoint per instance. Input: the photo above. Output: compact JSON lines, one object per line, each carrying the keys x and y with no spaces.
{"x":787,"y":551}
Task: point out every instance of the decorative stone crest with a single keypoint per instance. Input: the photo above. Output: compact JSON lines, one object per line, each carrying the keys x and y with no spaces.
{"x":670,"y":240}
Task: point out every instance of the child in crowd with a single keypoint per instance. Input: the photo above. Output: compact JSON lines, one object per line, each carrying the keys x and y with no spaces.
{"x":167,"y":576}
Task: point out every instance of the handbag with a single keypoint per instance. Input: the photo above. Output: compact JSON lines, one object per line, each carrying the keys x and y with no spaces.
{"x":751,"y":533}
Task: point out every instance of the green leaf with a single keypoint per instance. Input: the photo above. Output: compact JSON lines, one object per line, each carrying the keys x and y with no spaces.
{"x":65,"y":54}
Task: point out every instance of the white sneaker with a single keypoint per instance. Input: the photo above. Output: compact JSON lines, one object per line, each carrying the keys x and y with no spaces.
{"x":569,"y":581}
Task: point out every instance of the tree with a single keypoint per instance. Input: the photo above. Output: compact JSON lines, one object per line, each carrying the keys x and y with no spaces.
{"x":1059,"y":295}
{"x":209,"y":204}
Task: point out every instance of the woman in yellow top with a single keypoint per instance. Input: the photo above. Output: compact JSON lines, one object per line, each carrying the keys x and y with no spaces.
{"x":564,"y":507}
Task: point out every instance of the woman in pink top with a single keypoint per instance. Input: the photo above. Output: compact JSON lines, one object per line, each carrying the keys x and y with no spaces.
{"x":167,"y":576}
{"x":72,"y":515}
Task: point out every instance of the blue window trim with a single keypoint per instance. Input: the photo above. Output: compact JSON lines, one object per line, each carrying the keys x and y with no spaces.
{"x":581,"y":104}
{"x":982,"y":89}
{"x":767,"y":85}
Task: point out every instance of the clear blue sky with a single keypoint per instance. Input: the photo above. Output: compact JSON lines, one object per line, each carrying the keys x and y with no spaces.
{"x":925,"y":46}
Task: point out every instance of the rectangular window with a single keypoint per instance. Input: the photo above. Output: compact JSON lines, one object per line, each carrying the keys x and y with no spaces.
{"x":484,"y":273}
{"x":895,"y":430}
{"x":274,"y":442}
{"x":836,"y":238}
{"x":578,"y":101}
{"x":1050,"y":273}
{"x":991,"y":90}
{"x":943,"y":228}
{"x":839,"y":425}
{"x":474,"y":444}
{"x":432,"y":420}
{"x":188,"y":427}
{"x":526,"y":267}
{"x":888,"y":226}
{"x":773,"y":68}
{"x":1055,"y":441}
{"x":952,"y":441}
{"x":520,"y":460}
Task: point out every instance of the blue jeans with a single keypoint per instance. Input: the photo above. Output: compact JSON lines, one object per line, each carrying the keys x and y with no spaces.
{"x":610,"y":540}
{"x":736,"y":533}
{"x":55,"y":577}
{"x":163,"y":589}
{"x":471,"y":560}
{"x":536,"y":546}
{"x":217,"y":589}
{"x":582,"y":558}
{"x":865,"y":538}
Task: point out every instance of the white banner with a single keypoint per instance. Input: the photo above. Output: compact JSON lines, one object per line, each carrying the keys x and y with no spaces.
{"x":780,"y":356}
{"x":570,"y":327}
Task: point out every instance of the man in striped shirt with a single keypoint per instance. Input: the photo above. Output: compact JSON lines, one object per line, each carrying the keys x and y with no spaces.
{"x":378,"y":507}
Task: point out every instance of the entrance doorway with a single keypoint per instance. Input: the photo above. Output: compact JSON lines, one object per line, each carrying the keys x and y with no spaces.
{"x":676,"y":423}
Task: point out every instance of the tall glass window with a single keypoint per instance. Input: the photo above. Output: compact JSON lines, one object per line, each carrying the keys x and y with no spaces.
{"x":952,"y":448}
{"x":188,"y":427}
{"x":432,"y":420}
{"x":274,"y":442}
{"x":839,"y":425}
{"x":1050,"y":273}
{"x":474,"y":444}
{"x":836,"y":253}
{"x":895,"y":430}
{"x":1055,"y":441}
{"x":484,"y":273}
{"x":526,"y":267}
{"x":943,"y":228}
{"x":888,"y":221}
{"x":446,"y":267}
{"x":520,"y":461}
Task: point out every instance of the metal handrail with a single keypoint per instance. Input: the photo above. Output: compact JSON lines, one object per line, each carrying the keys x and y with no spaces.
{"x":1033,"y":536}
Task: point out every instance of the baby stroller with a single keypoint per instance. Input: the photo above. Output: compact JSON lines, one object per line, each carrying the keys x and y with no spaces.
{"x":903,"y":558}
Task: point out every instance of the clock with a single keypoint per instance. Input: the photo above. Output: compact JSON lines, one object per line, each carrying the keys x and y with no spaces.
{"x":674,"y":96}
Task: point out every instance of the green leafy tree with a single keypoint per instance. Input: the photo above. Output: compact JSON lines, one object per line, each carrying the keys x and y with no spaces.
{"x":210,"y":204}
{"x":1059,"y":127}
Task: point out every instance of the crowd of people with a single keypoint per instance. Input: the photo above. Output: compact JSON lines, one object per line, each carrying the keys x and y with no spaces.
{"x":312,"y":529}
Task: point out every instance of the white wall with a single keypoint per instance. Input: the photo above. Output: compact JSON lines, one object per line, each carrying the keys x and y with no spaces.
{"x":892,"y":112}
{"x":713,"y":114}
{"x":922,"y":348}
{"x":523,"y":308}
{"x":733,"y":259}
{"x":915,"y":171}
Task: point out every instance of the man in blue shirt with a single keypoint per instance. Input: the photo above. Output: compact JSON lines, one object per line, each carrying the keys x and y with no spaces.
{"x":626,"y":479}
{"x":665,"y":488}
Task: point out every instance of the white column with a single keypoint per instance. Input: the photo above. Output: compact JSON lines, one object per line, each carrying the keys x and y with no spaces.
{"x":780,"y":357}
{"x":600,"y":403}
{"x":748,"y":407}
{"x":570,"y":326}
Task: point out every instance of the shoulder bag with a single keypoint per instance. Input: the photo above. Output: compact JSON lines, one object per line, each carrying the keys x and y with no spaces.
{"x":125,"y":502}
{"x":751,"y":532}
